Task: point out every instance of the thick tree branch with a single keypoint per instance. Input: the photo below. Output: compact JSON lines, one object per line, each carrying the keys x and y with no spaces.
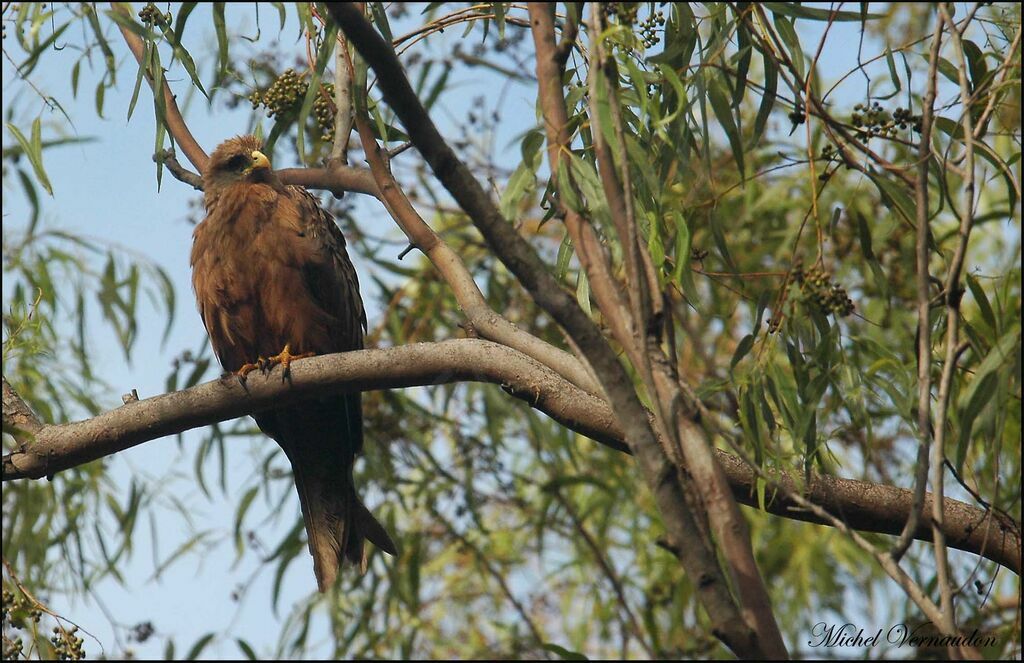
{"x":336,"y":179}
{"x":58,"y":447}
{"x":860,"y":505}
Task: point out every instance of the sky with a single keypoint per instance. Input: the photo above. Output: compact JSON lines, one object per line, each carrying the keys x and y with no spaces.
{"x":107,"y":188}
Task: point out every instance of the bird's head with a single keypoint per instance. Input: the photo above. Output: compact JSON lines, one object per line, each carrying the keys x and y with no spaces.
{"x":237,"y":160}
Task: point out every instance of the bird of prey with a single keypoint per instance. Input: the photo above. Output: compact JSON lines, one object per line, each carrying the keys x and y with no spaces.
{"x":274,"y":283}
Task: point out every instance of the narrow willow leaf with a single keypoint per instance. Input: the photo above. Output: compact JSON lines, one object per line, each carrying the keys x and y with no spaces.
{"x":983,"y":304}
{"x":771,"y":85}
{"x":742,"y":348}
{"x":723,"y":111}
{"x":799,"y":10}
{"x":35,"y":156}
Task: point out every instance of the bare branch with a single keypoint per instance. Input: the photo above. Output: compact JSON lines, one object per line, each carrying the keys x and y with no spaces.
{"x":336,"y":179}
{"x":180,"y":173}
{"x":342,"y":103}
{"x":58,"y":447}
{"x":953,"y":294}
{"x":924,"y":330}
{"x":858,"y":504}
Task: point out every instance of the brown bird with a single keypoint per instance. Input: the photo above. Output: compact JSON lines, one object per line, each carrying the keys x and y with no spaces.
{"x":271,"y":275}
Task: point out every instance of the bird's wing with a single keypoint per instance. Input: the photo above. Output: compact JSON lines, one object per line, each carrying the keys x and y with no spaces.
{"x":329,"y":276}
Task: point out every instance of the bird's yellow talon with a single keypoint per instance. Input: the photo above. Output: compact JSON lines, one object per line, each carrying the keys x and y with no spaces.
{"x":285,"y":358}
{"x":244,"y":371}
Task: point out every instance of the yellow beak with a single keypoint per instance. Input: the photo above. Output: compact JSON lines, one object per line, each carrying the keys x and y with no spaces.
{"x":259,"y":160}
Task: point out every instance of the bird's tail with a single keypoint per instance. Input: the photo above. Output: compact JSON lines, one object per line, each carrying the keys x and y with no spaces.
{"x":321,"y":439}
{"x":337,"y":522}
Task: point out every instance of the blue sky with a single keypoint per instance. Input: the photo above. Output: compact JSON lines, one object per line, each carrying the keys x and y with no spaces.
{"x":107,"y":188}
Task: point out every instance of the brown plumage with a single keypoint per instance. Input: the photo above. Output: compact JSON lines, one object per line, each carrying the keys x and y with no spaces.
{"x":270,"y":272}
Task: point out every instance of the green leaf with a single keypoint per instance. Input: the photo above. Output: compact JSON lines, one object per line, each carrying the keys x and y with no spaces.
{"x":143,"y":65}
{"x":976,"y":65}
{"x":564,"y":256}
{"x":983,"y":304}
{"x":380,"y":19}
{"x":180,"y":52}
{"x":752,"y":424}
{"x":673,"y":79}
{"x":220,"y":27}
{"x":34,"y":151}
{"x":563,"y":653}
{"x":567,"y":189}
{"x":792,"y":41}
{"x":979,"y":395}
{"x":742,"y":348}
{"x":583,"y":291}
{"x":799,"y":10}
{"x":723,"y":111}
{"x":955,"y":130}
{"x":519,"y":183}
{"x":771,"y":85}
{"x":250,"y":654}
{"x":198,"y":647}
{"x":323,"y":56}
{"x":744,"y":54}
{"x":877,"y":274}
{"x":243,"y":507}
{"x":893,"y":76}
{"x":26,"y":67}
{"x":895,"y":197}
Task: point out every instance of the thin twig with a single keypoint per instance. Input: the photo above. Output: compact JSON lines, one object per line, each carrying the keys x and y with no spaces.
{"x":180,"y":173}
{"x":924,"y":328}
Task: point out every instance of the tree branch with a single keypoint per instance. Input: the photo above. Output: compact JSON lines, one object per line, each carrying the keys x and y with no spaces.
{"x":59,"y":447}
{"x":337,"y":179}
{"x":861,"y":505}
{"x":924,"y":329}
{"x":480,"y":315}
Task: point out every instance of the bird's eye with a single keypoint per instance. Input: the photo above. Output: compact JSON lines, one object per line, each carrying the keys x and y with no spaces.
{"x":238,"y":162}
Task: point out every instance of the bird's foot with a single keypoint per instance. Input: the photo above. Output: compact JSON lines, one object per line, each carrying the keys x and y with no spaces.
{"x":260,"y":364}
{"x":285,"y":358}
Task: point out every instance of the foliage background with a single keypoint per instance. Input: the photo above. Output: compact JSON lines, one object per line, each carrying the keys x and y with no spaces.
{"x":515,"y":533}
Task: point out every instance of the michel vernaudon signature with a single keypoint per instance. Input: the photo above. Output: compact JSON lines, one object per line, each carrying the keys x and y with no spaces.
{"x":824,"y":634}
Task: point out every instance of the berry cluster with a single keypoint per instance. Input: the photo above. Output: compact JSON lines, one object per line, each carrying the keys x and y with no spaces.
{"x":323,"y":110}
{"x":818,"y":289}
{"x":876,"y":121}
{"x":150,"y":15}
{"x":18,"y":611}
{"x":902,"y":117}
{"x":285,"y":96}
{"x":625,"y":12}
{"x":649,"y":28}
{"x":66,"y":644}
